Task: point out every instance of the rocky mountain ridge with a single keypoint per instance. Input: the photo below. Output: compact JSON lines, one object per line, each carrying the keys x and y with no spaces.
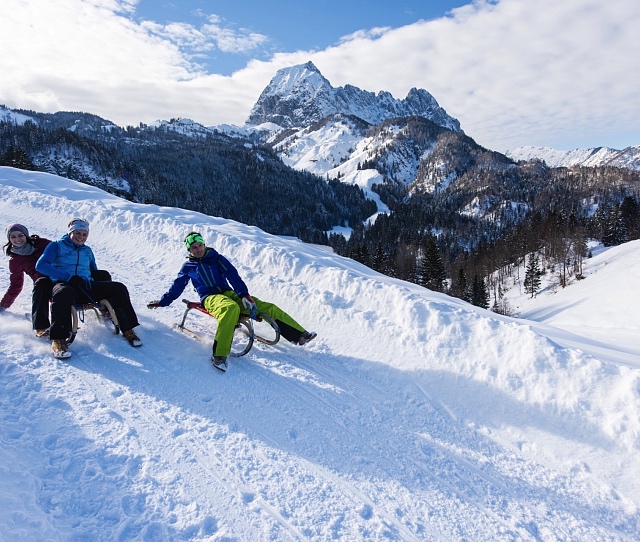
{"x":299,"y":96}
{"x":594,"y":157}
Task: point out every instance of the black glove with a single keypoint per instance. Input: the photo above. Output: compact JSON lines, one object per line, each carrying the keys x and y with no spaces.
{"x":101,"y":275}
{"x":77,"y":282}
{"x":153,"y":304}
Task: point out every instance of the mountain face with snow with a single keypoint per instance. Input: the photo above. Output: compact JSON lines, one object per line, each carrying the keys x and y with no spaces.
{"x":299,"y":96}
{"x":595,"y":157}
{"x":412,"y":151}
{"x":362,"y":138}
{"x":180,"y":162}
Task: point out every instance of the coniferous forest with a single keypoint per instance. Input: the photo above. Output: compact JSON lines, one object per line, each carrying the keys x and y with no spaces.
{"x":525,"y":209}
{"x":214,"y":174}
{"x":466,"y":238}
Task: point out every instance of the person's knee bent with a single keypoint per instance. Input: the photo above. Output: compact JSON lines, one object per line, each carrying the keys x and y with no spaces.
{"x":233,"y":312}
{"x":63,"y":293}
{"x":118,"y":288}
{"x":117,"y":292}
{"x":43,"y":283}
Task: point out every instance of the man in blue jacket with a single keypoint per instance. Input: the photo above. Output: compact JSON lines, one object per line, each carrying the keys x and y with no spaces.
{"x":225,"y":296}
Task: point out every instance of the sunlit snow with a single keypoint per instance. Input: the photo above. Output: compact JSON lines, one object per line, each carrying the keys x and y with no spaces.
{"x":413,"y":416}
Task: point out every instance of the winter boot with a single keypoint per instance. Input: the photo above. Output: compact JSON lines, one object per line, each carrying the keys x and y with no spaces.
{"x":133,"y":339}
{"x":42,"y":333}
{"x":306,"y":337}
{"x":220,"y":362}
{"x":59,"y":349}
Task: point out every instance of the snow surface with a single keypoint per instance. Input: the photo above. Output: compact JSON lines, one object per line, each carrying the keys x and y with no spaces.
{"x":335,"y":151}
{"x":593,"y":157}
{"x":413,"y":416}
{"x":8,"y":115}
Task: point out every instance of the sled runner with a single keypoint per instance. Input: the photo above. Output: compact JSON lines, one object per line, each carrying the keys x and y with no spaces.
{"x":263,"y":329}
{"x":104,"y":313}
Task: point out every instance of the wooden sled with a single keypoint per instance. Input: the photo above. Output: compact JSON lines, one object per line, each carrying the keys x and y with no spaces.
{"x":263,"y":329}
{"x":104,"y":313}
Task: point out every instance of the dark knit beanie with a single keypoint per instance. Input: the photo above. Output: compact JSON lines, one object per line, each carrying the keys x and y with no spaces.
{"x":17,"y":227}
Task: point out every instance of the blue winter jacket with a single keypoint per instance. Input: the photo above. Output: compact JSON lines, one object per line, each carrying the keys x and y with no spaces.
{"x":63,"y":259}
{"x":211,"y":274}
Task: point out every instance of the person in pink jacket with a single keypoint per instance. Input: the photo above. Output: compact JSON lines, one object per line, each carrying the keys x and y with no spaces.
{"x":23,"y":251}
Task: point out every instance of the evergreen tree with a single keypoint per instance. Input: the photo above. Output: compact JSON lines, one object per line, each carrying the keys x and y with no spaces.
{"x":479,"y":293}
{"x":533,"y":274}
{"x":614,"y":232}
{"x":630,"y":215}
{"x":378,"y":261}
{"x":433,"y":270}
{"x":17,"y":158}
{"x":460,"y":286}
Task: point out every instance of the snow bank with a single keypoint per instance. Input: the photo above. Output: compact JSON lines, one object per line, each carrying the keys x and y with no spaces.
{"x":413,"y":416}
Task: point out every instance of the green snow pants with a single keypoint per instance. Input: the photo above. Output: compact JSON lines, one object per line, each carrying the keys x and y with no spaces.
{"x":227,"y":307}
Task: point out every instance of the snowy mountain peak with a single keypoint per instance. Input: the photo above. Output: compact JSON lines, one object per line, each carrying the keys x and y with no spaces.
{"x":300,"y":95}
{"x":303,"y":77}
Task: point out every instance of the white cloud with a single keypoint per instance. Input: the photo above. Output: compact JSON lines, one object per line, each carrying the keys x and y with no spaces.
{"x":181,"y":34}
{"x":514,"y":72}
{"x":536,"y":72}
{"x":233,"y":41}
{"x":212,"y":35}
{"x":372,"y":33}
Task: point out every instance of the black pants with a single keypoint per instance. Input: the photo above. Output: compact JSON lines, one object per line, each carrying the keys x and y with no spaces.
{"x":40,"y":303}
{"x":64,"y":296}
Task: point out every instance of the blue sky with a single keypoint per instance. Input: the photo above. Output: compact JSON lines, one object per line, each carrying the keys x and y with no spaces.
{"x":287,"y":25}
{"x":513,"y":72}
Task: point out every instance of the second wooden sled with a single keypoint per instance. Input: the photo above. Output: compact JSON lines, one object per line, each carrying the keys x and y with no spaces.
{"x":244,"y":334}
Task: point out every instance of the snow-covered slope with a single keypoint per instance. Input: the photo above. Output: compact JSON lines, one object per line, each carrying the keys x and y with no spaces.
{"x":600,"y":307}
{"x":599,"y":156}
{"x":183,"y":126}
{"x":13,"y":117}
{"x":413,"y":416}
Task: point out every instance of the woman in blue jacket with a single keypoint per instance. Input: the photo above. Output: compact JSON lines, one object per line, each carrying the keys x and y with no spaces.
{"x":225,"y":296}
{"x":71,"y":266}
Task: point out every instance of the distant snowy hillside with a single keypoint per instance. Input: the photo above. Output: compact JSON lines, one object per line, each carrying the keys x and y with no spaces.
{"x":413,"y":416}
{"x":599,"y":156}
{"x":8,"y":115}
{"x":182,"y":126}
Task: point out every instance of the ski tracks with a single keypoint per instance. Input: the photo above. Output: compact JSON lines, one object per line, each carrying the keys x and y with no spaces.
{"x":189,"y":458}
{"x":359,"y":452}
{"x":444,"y":459}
